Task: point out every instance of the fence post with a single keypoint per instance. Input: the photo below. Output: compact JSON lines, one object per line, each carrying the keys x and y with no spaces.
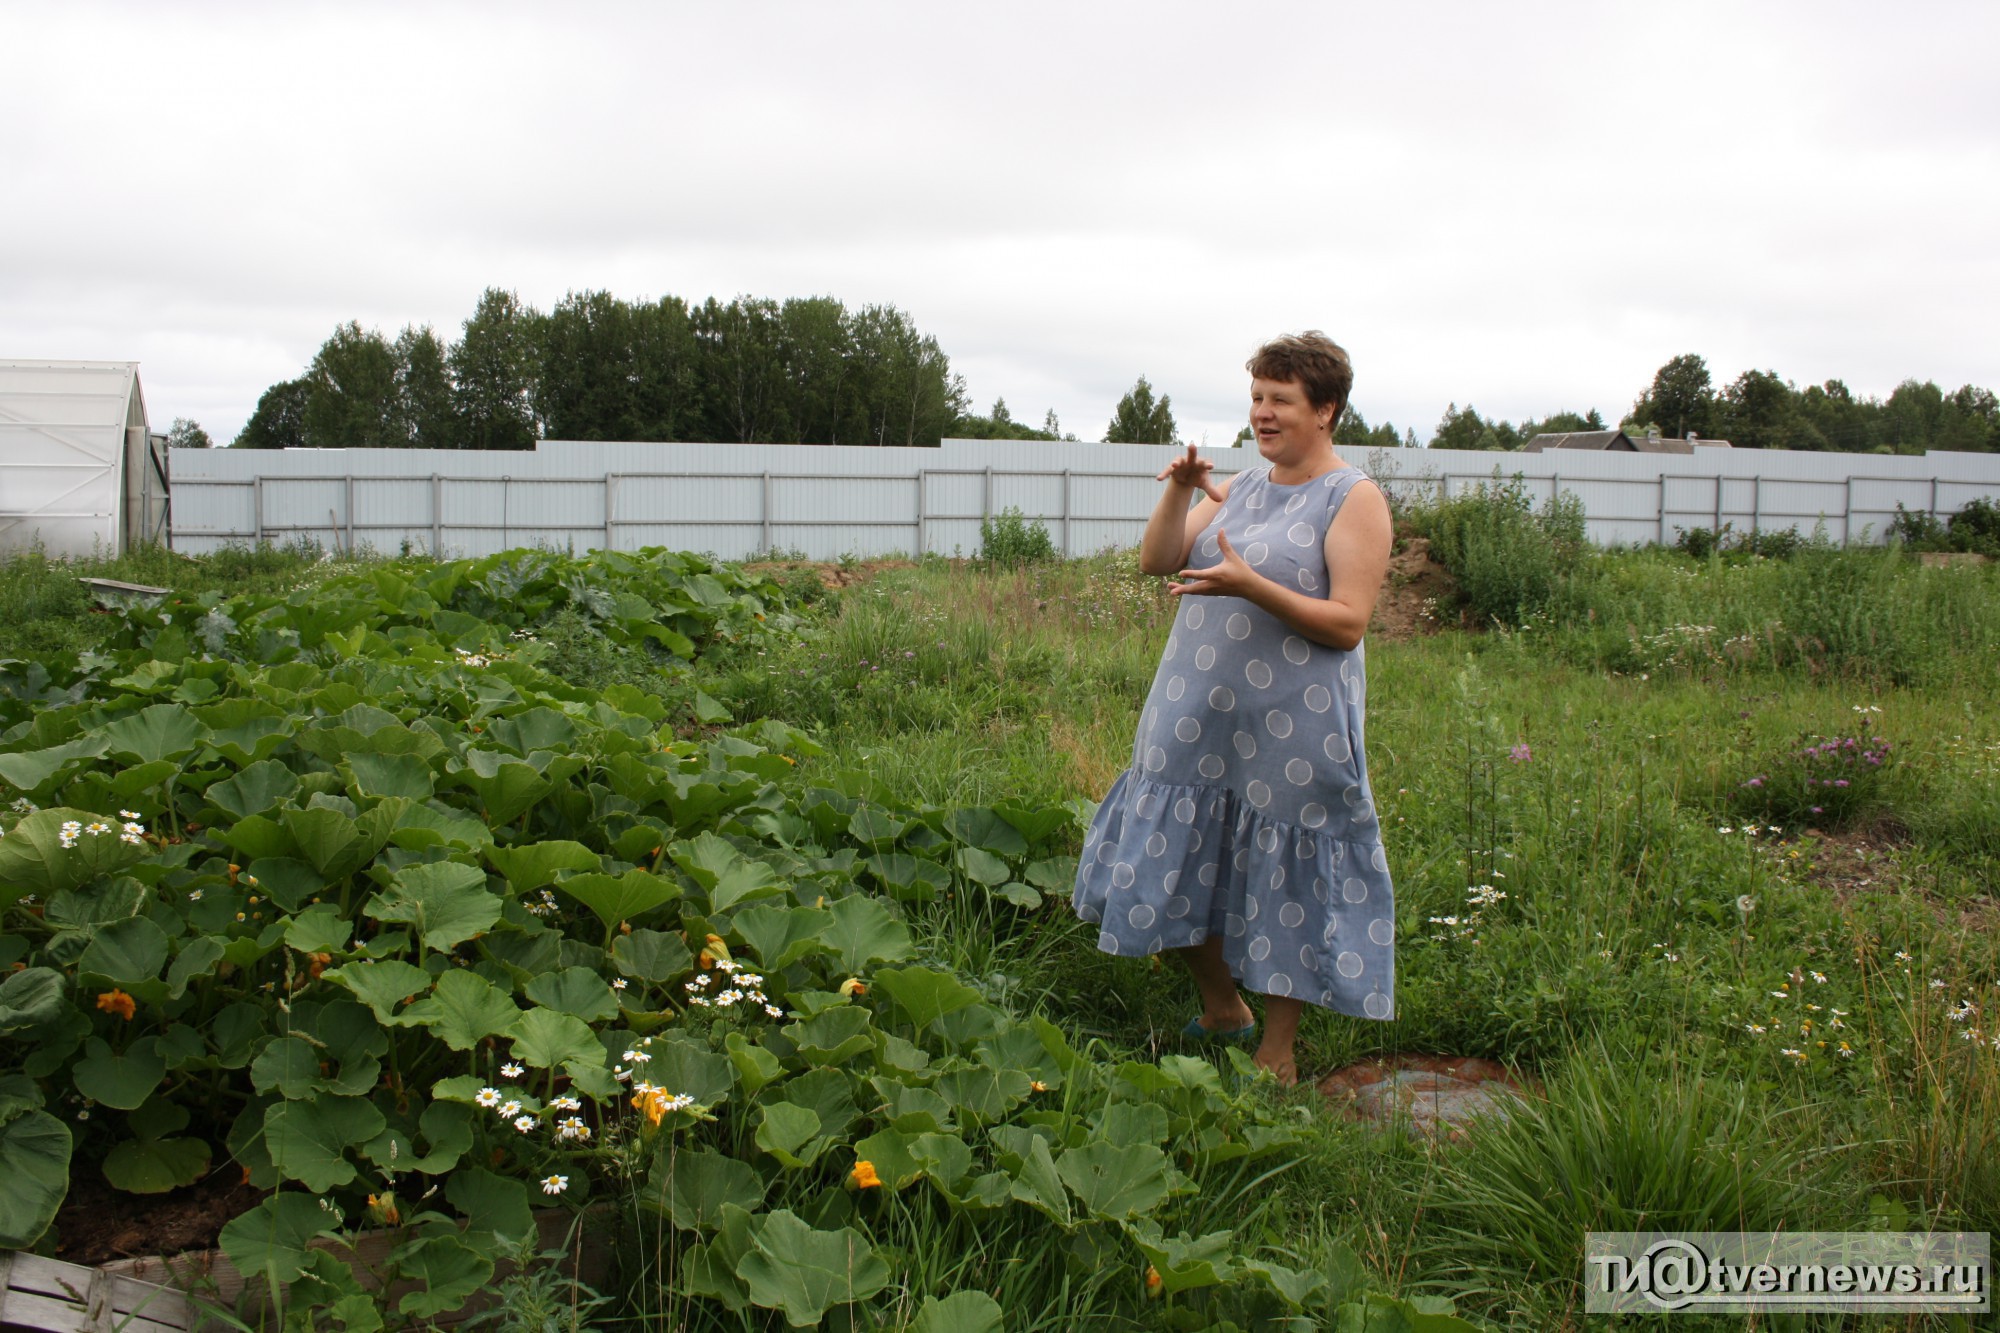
{"x":437,"y":517}
{"x":1847,"y":513}
{"x":257,"y":505}
{"x":1718,"y":507}
{"x":610,"y":499}
{"x":1756,"y":504}
{"x":986,"y":497}
{"x":764,"y":518}
{"x":923,"y":516}
{"x":1067,"y":553}
{"x":1662,"y":522}
{"x":350,"y":514}
{"x":506,"y":494}
{"x":1934,"y":512}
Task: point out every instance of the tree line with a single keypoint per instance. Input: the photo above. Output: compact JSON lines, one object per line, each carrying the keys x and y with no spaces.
{"x":600,"y":368}
{"x":1761,"y":410}
{"x":812,"y":371}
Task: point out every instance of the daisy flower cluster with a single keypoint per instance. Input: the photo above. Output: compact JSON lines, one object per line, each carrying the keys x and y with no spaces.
{"x":1816,"y":1027}
{"x":1477,"y":898}
{"x":541,"y":903}
{"x":466,"y":659}
{"x":74,"y":831}
{"x":526,"y":1118}
{"x":737,"y":987}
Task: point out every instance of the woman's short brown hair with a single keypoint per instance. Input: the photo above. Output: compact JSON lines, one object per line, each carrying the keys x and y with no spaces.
{"x":1312,"y":360}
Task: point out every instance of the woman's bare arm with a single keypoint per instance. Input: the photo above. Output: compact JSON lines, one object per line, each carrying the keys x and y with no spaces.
{"x":1171,"y":531}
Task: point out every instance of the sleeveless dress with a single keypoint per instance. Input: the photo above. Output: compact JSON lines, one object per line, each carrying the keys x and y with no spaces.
{"x":1247,"y":810}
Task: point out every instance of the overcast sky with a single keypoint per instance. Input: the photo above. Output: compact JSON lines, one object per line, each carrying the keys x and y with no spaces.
{"x":1526,"y":207}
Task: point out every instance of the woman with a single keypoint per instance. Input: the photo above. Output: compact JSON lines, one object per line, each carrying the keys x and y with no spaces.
{"x":1244,"y":837}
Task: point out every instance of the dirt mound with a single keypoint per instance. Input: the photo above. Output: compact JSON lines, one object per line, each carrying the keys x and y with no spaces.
{"x":1437,"y":1094}
{"x":835,"y":575}
{"x":1415,"y":598}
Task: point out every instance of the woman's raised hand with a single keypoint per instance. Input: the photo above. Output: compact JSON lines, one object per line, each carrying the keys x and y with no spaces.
{"x":1194,"y":472}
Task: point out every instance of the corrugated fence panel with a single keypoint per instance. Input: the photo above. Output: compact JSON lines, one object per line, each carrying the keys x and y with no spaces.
{"x":738,"y":500}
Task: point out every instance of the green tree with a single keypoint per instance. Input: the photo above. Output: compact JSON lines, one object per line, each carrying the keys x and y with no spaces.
{"x":908,"y":393}
{"x":1759,"y":410}
{"x":186,"y":433}
{"x":1682,"y":399}
{"x":1464,"y":428}
{"x":351,"y":392}
{"x":280,"y":419}
{"x":425,"y":417}
{"x":1140,"y":420}
{"x":613,"y":371}
{"x":1354,"y":432}
{"x":492,"y":370}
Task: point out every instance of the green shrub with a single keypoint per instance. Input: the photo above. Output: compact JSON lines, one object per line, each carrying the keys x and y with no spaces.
{"x":1009,"y":540}
{"x":1511,"y":560}
{"x":1977,"y":528}
{"x":1919,"y":530}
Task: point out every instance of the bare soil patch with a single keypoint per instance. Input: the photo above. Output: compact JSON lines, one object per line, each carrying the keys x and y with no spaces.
{"x":98,"y":1224}
{"x":835,"y":575}
{"x":1948,"y":558}
{"x":1414,"y":597}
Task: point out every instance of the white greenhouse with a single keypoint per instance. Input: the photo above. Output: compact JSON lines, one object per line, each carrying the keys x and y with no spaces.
{"x":80,"y":473}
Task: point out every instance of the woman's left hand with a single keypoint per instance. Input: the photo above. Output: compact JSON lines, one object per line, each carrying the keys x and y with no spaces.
{"x":1232,"y":578}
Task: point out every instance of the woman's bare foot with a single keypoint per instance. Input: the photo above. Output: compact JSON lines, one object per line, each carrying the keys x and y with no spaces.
{"x":1229,"y":1020}
{"x":1283,"y":1067}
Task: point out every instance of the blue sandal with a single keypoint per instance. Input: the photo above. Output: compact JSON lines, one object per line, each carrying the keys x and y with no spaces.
{"x":1194,"y":1031}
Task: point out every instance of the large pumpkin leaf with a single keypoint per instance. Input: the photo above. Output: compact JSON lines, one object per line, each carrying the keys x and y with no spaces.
{"x":924,"y":993}
{"x":802,"y":1271}
{"x":163,"y":731}
{"x":977,"y":826}
{"x":125,"y":952}
{"x":574,"y":990}
{"x":154,"y":1166}
{"x":382,"y":985}
{"x":507,"y":787}
{"x":538,"y":863}
{"x":833,"y":1035}
{"x":331,"y":843}
{"x":29,"y":770}
{"x":700,"y":1182}
{"x":269,"y":1242}
{"x":912,"y":878}
{"x":495,"y":1207}
{"x":617,"y":898}
{"x":120,"y":1079}
{"x":463,"y":1010}
{"x":33,"y":995}
{"x":445,"y":901}
{"x":34,"y":1161}
{"x":380,"y":775}
{"x":960,"y":1312}
{"x":547,"y":1040}
{"x":651,"y":955}
{"x":1184,"y":1262}
{"x":729,"y":876}
{"x":1116,"y":1181}
{"x":308,"y":1141}
{"x":258,"y":789}
{"x":863,"y":931}
{"x":781,"y":936}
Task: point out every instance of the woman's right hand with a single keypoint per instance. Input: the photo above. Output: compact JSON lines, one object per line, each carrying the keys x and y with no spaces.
{"x":1192,"y":472}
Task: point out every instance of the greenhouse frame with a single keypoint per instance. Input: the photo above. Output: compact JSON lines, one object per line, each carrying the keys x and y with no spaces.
{"x":80,"y":471}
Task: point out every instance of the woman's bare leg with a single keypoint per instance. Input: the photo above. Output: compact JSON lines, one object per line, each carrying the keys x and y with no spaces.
{"x":1281,"y":1030}
{"x":1222,"y":1009}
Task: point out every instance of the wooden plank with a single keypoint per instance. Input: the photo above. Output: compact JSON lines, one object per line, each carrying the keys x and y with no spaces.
{"x":51,"y":1296}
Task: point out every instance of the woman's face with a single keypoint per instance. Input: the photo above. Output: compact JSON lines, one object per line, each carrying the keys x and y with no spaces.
{"x":1288,"y":427}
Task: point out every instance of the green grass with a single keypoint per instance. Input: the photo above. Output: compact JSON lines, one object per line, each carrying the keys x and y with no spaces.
{"x":1620,"y":967}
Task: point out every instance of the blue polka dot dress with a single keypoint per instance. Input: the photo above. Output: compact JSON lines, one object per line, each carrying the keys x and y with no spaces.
{"x":1247,"y":811}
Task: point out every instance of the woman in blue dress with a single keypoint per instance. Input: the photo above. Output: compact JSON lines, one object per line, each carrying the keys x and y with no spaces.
{"x":1244,"y":835}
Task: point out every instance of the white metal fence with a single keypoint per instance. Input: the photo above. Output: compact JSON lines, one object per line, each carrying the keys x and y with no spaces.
{"x":825,"y":502}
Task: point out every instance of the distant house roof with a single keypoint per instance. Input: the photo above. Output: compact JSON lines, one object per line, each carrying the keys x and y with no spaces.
{"x":1617,"y":441}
